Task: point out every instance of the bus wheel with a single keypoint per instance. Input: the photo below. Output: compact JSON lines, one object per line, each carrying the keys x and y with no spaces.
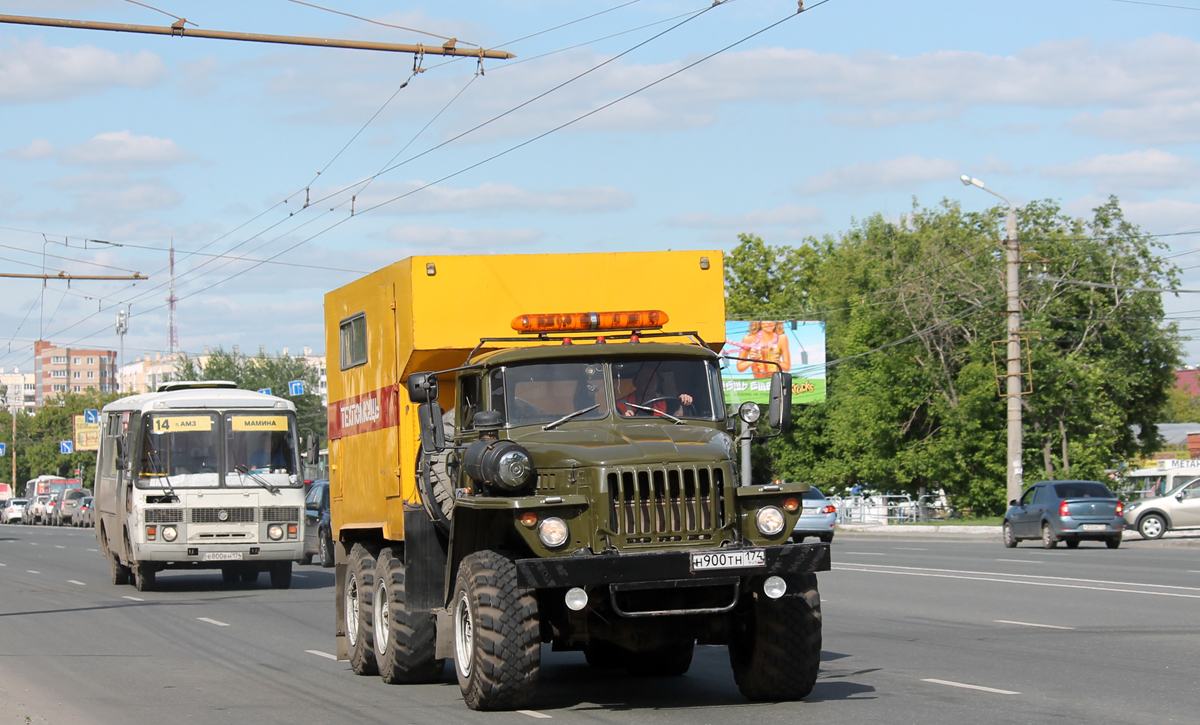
{"x":281,"y":575}
{"x":230,"y":576}
{"x":143,"y":578}
{"x":120,"y":572}
{"x":360,"y":585}
{"x":404,"y":641}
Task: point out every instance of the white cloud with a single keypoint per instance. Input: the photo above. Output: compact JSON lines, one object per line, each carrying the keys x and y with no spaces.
{"x":422,"y":239}
{"x":132,"y":198}
{"x":122,"y":149}
{"x":1149,"y":169}
{"x":35,"y":150}
{"x":788,"y":215}
{"x":905,"y":172}
{"x":1167,"y":123}
{"x":31,"y":71}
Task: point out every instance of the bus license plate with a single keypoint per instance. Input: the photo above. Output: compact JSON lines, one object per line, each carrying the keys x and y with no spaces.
{"x":727,"y":559}
{"x":223,"y":556}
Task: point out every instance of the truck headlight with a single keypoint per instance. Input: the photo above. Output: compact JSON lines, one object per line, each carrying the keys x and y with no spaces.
{"x":500,"y":463}
{"x":750,"y":412}
{"x":769,"y":520}
{"x":169,"y":533}
{"x":274,"y":532}
{"x":553,"y":531}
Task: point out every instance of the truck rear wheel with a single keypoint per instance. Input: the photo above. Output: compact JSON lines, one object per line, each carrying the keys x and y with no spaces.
{"x":775,"y":648}
{"x":404,"y":641}
{"x":360,"y":581}
{"x":497,"y":639}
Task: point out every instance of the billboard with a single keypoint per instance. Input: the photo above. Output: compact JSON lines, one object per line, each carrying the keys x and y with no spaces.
{"x":799,"y":347}
{"x":87,"y":435}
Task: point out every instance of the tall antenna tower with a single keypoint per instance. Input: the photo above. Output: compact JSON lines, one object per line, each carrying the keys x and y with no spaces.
{"x":173,"y":333}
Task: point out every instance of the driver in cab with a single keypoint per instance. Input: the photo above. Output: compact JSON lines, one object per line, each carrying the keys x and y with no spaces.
{"x":647,"y":396}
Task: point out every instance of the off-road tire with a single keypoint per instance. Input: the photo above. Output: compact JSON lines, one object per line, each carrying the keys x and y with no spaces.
{"x":359,"y":595}
{"x":325,"y":547}
{"x":1113,"y":542}
{"x":404,"y":641}
{"x":281,"y":575}
{"x":775,"y":646}
{"x":1049,"y":540}
{"x":1006,"y":533}
{"x":120,"y":572}
{"x":672,"y":660}
{"x":497,"y":637}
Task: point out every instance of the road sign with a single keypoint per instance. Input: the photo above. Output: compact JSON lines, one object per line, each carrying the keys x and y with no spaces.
{"x":91,"y":416}
{"x":2,"y":450}
{"x":265,"y":391}
{"x":296,"y":387}
{"x":66,"y":447}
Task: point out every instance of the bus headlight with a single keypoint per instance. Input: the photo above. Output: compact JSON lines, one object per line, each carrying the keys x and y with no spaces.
{"x":169,"y":533}
{"x":274,"y":532}
{"x":553,"y":531}
{"x":769,"y":520}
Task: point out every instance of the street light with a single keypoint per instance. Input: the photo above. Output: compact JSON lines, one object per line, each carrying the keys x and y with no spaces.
{"x":1013,"y":467}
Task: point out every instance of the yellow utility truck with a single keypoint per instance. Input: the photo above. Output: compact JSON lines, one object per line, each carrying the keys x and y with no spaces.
{"x":529,"y":450}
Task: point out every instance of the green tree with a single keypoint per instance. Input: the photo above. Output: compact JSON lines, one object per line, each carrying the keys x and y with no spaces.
{"x":39,"y":435}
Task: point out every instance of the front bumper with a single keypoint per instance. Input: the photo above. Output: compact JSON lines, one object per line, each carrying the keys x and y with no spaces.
{"x":664,"y":566}
{"x":194,"y":555}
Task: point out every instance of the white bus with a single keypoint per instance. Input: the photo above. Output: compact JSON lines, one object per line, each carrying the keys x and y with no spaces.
{"x":199,"y":475}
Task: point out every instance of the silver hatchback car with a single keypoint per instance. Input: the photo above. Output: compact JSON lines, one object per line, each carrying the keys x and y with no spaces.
{"x":1177,"y":509}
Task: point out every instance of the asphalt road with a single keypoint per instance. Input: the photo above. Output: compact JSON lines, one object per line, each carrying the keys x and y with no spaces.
{"x":926,"y":629}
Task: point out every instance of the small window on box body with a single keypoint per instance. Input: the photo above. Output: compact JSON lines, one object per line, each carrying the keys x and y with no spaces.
{"x":353,"y":334}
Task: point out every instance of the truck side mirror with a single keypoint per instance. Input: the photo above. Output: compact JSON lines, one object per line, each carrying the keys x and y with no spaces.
{"x":433,"y":435}
{"x":422,"y":387}
{"x":779,"y":413}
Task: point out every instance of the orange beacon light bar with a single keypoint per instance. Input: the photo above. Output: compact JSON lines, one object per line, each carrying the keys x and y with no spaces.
{"x":590,"y":321}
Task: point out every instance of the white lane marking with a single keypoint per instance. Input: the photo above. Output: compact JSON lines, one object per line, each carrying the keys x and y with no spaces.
{"x":72,"y":581}
{"x":3,"y":564}
{"x":212,"y":621}
{"x":1019,"y":579}
{"x":1030,"y":624}
{"x":299,"y":576}
{"x":864,"y":553}
{"x":133,"y":599}
{"x":970,"y":687}
{"x":60,"y":547}
{"x":33,"y":543}
{"x":319,"y":653}
{"x":93,"y":550}
{"x":536,"y":714}
{"x":907,"y":548}
{"x":31,"y":571}
{"x":1022,"y":561}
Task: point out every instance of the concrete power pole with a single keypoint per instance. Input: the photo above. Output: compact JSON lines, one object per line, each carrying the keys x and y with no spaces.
{"x":1014,"y":470}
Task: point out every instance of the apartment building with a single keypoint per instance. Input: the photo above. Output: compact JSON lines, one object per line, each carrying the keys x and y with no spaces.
{"x":59,"y":370}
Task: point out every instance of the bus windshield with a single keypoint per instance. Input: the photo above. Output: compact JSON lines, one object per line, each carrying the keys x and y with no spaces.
{"x":260,"y":448}
{"x":179,"y":450}
{"x":196,"y":449}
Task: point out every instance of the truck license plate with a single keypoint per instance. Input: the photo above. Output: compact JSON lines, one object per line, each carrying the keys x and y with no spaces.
{"x":727,"y":559}
{"x":1094,"y":527}
{"x":223,"y":556}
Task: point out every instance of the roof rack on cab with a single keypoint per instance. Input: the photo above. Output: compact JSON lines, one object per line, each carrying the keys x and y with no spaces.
{"x":193,"y":384}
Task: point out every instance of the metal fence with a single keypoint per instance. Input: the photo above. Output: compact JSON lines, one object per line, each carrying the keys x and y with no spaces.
{"x":890,"y":509}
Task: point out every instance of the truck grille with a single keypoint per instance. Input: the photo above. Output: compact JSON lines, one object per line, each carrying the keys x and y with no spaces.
{"x":666,"y":503}
{"x":240,"y":515}
{"x":280,"y":514}
{"x":164,"y":516}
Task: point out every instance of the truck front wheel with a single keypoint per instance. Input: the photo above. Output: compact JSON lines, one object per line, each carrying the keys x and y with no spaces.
{"x":360,"y":583}
{"x":497,"y":639}
{"x":404,"y":641}
{"x":775,"y":648}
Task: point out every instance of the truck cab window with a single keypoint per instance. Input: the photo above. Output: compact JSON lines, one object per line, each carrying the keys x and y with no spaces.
{"x":469,"y":396}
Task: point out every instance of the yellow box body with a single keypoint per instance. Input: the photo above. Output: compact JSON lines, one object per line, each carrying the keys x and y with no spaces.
{"x":428,"y":313}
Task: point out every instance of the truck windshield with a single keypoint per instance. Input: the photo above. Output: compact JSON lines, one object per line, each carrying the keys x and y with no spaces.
{"x":260,"y":449}
{"x":179,"y":450}
{"x":544,"y":393}
{"x":678,"y":388}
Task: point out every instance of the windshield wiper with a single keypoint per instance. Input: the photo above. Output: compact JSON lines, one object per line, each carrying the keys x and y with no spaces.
{"x":166,"y":479}
{"x":656,"y":411}
{"x":245,"y":471}
{"x":569,"y":416}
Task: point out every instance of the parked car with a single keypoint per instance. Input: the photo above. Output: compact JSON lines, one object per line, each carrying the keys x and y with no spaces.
{"x":817,"y":518}
{"x":13,"y":511}
{"x":1177,"y":509}
{"x":1068,"y":511}
{"x":85,"y":516}
{"x":318,"y":534}
{"x":67,"y":503}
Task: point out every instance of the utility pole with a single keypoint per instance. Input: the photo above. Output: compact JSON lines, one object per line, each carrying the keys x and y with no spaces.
{"x":122,"y":328}
{"x":1013,"y":467}
{"x":178,"y":29}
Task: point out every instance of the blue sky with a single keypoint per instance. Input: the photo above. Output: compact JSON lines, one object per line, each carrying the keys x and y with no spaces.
{"x":851,"y":108}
